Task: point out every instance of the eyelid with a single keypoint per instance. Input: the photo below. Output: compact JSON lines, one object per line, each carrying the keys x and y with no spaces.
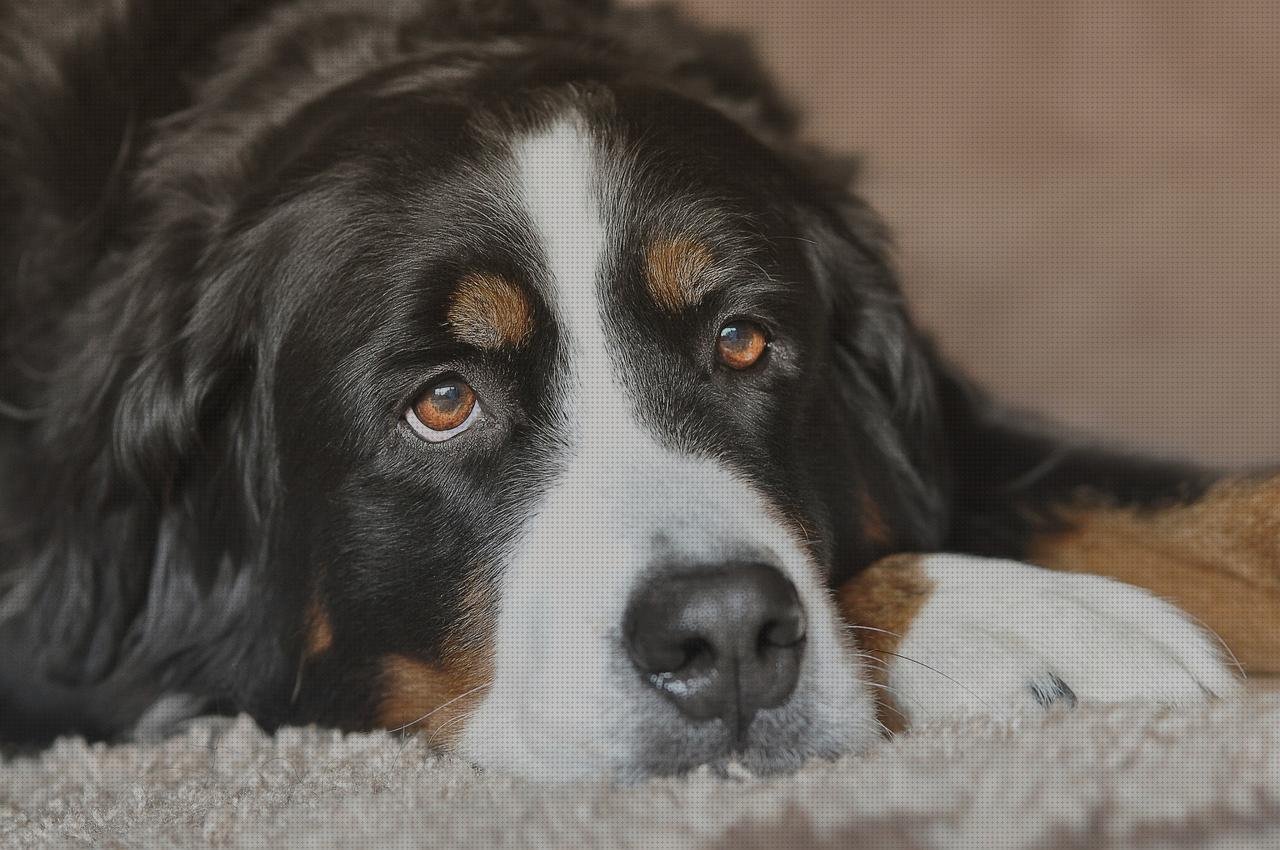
{"x":433,"y":436}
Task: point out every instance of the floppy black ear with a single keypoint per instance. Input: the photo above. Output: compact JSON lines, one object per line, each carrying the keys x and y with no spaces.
{"x":144,"y":573}
{"x":967,"y":474}
{"x":133,"y":491}
{"x":882,"y":370}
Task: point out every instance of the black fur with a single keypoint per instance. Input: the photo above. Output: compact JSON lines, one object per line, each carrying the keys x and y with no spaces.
{"x":186,"y":192}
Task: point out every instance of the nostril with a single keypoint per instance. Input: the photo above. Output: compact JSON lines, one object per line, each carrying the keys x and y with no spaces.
{"x":659,"y":651}
{"x":699,"y":656}
{"x":687,"y":657}
{"x":782,"y":633}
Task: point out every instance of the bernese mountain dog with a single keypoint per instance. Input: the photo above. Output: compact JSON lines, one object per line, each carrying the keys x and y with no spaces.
{"x":509,"y":372}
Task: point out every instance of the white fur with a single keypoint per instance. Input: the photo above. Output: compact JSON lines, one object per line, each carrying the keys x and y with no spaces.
{"x":563,"y":701}
{"x":991,"y":628}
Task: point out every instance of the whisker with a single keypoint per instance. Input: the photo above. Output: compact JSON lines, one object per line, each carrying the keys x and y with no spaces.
{"x":897,"y":695}
{"x":873,"y":629}
{"x":440,"y":707}
{"x":431,"y":742}
{"x":890,"y":705}
{"x":883,"y":728}
{"x":1235,"y":662}
{"x":434,"y":736}
{"x":1197,"y":621}
{"x":795,"y":239}
{"x":880,"y":663}
{"x":939,"y":672}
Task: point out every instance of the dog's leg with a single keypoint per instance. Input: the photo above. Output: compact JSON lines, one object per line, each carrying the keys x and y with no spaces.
{"x":1207,"y":543}
{"x":1149,"y":564}
{"x":1214,"y":553}
{"x":1217,"y":558}
{"x":959,"y":634}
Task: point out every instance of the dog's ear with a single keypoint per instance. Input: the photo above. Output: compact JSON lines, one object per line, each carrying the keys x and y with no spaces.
{"x":149,"y":577}
{"x":882,"y":367}
{"x":132,"y":441}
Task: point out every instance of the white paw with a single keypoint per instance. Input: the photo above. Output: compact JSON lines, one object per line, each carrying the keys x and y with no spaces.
{"x":1001,"y":637}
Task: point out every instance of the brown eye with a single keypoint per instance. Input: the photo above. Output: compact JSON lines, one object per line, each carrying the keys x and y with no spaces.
{"x":443,"y":410}
{"x":741,"y":344}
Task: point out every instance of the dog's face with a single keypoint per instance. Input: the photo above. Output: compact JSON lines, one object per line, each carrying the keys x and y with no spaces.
{"x":573,"y":427}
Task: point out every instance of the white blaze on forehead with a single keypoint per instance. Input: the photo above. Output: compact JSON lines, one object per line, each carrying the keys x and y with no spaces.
{"x":558,"y":182}
{"x":564,"y":699}
{"x":561,"y":189}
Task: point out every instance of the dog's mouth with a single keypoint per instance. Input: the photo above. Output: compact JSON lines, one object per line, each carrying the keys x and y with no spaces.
{"x":776,"y":742}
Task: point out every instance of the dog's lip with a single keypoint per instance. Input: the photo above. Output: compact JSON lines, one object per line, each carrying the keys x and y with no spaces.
{"x":724,"y":754}
{"x":731,"y":762}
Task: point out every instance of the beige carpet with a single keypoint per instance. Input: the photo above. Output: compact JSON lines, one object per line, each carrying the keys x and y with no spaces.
{"x":1101,"y":777}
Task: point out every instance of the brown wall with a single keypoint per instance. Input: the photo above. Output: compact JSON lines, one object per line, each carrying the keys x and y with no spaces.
{"x":1086,"y":194}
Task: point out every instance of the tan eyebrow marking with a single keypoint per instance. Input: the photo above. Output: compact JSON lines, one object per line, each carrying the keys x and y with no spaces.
{"x":674,"y":269}
{"x":490,"y":312}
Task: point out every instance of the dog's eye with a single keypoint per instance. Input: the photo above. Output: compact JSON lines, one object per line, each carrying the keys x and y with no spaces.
{"x":443,"y":410}
{"x":741,"y":344}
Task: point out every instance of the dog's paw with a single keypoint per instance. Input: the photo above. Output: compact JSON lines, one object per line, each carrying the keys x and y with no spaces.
{"x":997,"y":638}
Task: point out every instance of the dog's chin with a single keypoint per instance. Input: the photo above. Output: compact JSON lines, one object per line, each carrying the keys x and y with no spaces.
{"x":765,"y":754}
{"x":831,"y":716}
{"x":775,"y":748}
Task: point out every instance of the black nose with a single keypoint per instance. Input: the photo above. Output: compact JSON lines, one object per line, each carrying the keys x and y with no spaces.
{"x":722,"y":642}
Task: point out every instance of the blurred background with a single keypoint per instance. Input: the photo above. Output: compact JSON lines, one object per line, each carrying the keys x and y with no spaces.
{"x":1086,"y":195}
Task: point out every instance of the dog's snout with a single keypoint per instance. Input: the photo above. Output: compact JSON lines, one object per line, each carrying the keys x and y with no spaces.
{"x":721,"y":642}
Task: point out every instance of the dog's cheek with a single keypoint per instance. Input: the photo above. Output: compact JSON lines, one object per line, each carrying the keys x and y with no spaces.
{"x":432,"y":698}
{"x":437,"y":696}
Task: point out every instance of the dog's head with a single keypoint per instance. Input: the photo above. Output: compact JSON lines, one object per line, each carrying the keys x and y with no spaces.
{"x":577,"y":422}
{"x":543,"y":405}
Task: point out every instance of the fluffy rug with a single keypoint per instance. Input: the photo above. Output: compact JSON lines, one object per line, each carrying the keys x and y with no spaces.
{"x":1132,"y":777}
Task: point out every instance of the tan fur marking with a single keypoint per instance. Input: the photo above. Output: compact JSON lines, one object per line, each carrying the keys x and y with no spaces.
{"x":673,"y":269}
{"x":490,"y":312}
{"x":1218,"y":559}
{"x":885,"y":599}
{"x":319,"y":638}
{"x":421,"y":697}
{"x":435,"y":698}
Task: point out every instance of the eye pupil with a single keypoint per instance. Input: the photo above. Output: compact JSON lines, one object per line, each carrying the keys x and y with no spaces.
{"x":741,"y":344}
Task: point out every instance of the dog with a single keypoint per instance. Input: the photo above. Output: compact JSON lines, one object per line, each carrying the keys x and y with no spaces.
{"x":508,"y":372}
